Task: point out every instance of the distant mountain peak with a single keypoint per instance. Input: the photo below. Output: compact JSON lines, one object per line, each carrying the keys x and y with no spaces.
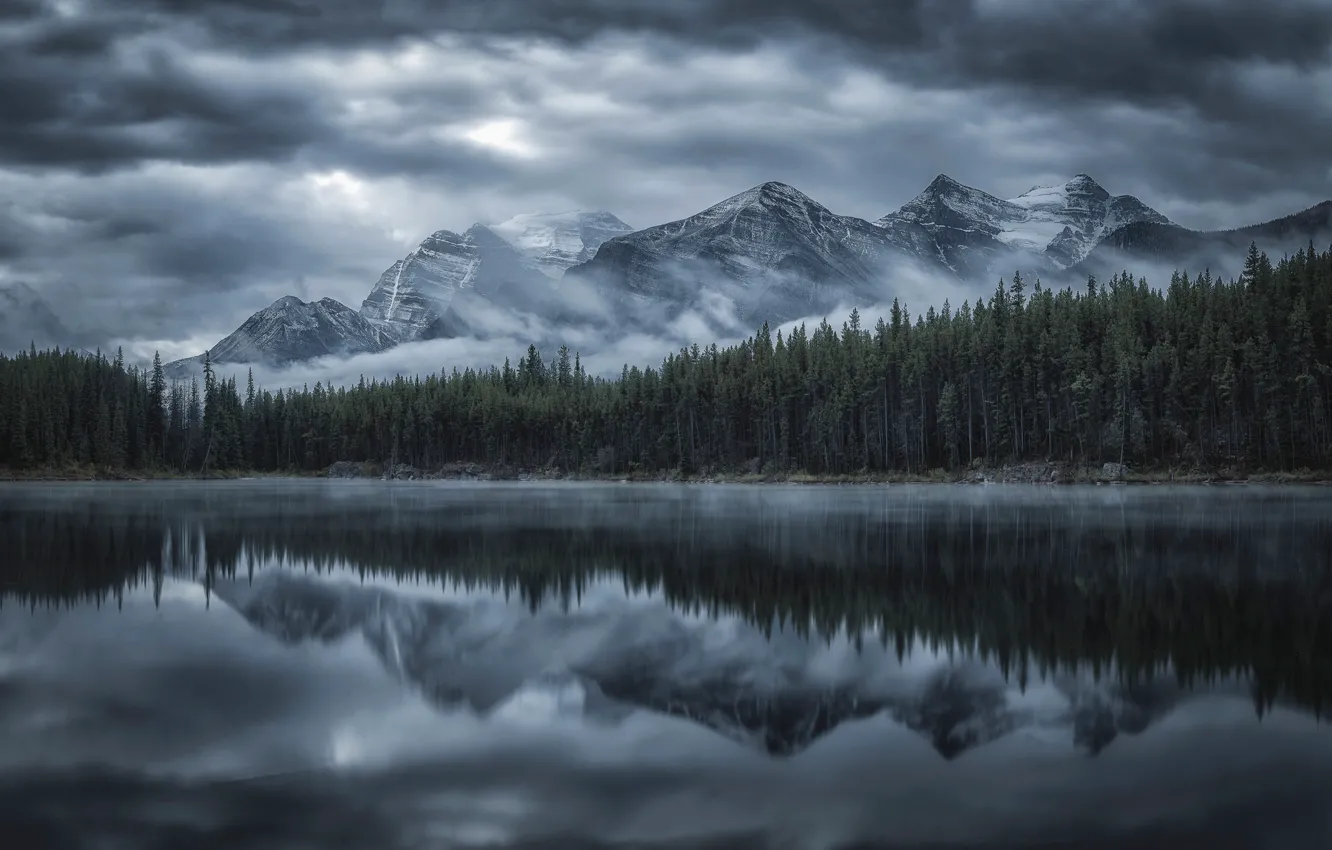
{"x":578,"y":215}
{"x":1081,"y":180}
{"x":771,"y":250}
{"x":783,"y":199}
{"x":413,"y":295}
{"x":944,"y":183}
{"x":1058,"y":195}
{"x":552,"y":242}
{"x":944,"y":190}
{"x":774,"y":190}
{"x":764,"y":195}
{"x":776,"y":187}
{"x":1050,"y":226}
{"x":291,"y":330}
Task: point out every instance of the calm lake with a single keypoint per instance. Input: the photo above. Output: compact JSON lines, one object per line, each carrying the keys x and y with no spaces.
{"x":401,"y":664}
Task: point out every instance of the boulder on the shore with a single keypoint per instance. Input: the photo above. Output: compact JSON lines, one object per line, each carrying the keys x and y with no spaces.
{"x":1022,"y":473}
{"x":1114,"y":471}
{"x":353,"y":469}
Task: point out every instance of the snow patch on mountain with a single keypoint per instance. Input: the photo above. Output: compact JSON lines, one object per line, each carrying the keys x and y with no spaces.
{"x":414,"y":291}
{"x":413,"y":297}
{"x":552,"y":242}
{"x":1080,"y":208}
{"x":772,"y":250}
{"x":1058,"y":225}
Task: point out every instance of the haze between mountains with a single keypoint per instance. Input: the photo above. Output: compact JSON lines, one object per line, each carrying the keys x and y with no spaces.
{"x":769,"y":254}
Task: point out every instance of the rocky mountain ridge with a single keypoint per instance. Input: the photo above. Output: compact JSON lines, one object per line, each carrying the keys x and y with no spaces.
{"x":971,"y":232}
{"x":436,"y":291}
{"x":768,"y":254}
{"x":291,"y":330}
{"x":772,"y":250}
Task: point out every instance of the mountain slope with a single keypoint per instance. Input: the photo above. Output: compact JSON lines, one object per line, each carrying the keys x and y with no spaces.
{"x":451,"y":284}
{"x":291,"y":330}
{"x":767,"y":254}
{"x":1220,"y":250}
{"x":974,"y":234}
{"x":552,"y":242}
{"x":412,"y":298}
{"x":779,"y":254}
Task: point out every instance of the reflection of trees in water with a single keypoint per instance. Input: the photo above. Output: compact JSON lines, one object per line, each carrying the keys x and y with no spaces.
{"x":1034,"y":590}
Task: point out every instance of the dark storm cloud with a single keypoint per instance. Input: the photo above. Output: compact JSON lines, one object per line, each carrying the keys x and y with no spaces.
{"x":159,"y":153}
{"x":72,"y":99}
{"x":70,"y":103}
{"x":1119,"y":46}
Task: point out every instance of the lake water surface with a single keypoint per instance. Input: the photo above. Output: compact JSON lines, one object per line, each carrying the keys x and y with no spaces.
{"x":393,"y":664}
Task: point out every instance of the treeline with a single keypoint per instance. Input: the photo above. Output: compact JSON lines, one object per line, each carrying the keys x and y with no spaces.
{"x":1201,"y":373}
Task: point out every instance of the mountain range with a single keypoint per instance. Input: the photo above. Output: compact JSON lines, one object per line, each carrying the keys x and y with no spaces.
{"x":770,"y":254}
{"x":771,"y":693}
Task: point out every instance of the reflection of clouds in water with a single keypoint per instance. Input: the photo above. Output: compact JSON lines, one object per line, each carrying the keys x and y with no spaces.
{"x":346,"y":747}
{"x":854,"y":789}
{"x":184,"y":592}
{"x":543,"y":702}
{"x":469,"y":819}
{"x":374,"y":763}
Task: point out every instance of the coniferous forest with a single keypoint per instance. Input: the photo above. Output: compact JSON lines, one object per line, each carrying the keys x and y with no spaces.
{"x":1201,"y":373}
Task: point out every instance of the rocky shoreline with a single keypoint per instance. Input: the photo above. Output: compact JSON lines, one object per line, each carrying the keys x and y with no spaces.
{"x":1047,"y":473}
{"x":1025,"y":473}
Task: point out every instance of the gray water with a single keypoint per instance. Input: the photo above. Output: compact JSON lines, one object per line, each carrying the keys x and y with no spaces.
{"x":383,"y":665}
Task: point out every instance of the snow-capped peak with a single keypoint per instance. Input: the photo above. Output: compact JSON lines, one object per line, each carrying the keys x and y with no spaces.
{"x":765,"y":194}
{"x":552,"y":242}
{"x":1060,"y":222}
{"x":1067,"y":219}
{"x":772,"y":196}
{"x":949,"y":204}
{"x":943,"y":183}
{"x":1078,"y":184}
{"x":290,"y":330}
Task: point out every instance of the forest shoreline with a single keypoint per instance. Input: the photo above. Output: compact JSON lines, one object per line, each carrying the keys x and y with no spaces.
{"x":1050,"y":474}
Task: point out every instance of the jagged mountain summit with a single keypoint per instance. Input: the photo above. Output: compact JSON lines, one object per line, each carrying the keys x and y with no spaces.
{"x":552,"y":242}
{"x":437,"y":290}
{"x":291,"y":330}
{"x":773,"y":254}
{"x":972,"y":233}
{"x":773,"y":250}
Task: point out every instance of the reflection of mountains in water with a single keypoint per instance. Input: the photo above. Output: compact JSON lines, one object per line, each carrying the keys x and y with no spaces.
{"x":778,"y":693}
{"x":1217,"y":585}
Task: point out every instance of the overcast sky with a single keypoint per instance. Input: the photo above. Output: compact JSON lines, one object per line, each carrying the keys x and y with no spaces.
{"x":167,"y":167}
